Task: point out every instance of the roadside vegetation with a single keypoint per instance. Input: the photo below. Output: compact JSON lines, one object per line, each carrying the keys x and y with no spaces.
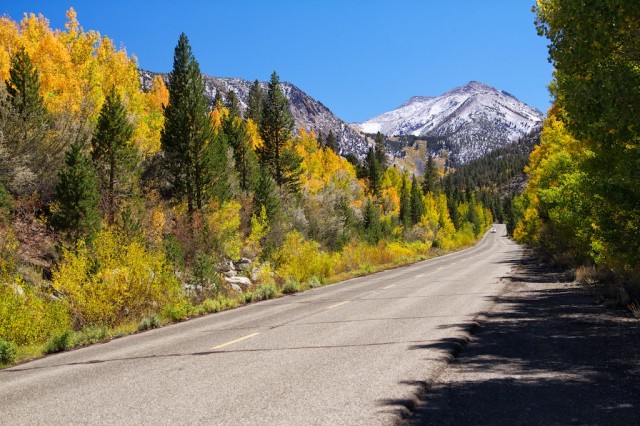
{"x":581,"y":206}
{"x":122,"y":207}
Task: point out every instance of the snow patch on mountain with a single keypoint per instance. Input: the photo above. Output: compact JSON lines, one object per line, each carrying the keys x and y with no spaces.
{"x":472,"y":120}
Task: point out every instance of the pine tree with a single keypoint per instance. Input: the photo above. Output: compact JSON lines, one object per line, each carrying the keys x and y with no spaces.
{"x":276,"y":130}
{"x":417,"y":204}
{"x":430,"y":176}
{"x":23,"y":126}
{"x":113,"y":154}
{"x":405,"y":203}
{"x":196,"y":158}
{"x":235,"y":131}
{"x":254,"y":103}
{"x":371,"y":222}
{"x":217,"y":99}
{"x":232,"y":104}
{"x":372,"y":172}
{"x":381,"y":151}
{"x":76,"y":211}
{"x":266,"y":194}
{"x":332,"y":143}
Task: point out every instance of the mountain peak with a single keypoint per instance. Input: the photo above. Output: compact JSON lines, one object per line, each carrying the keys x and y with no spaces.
{"x":471,"y":120}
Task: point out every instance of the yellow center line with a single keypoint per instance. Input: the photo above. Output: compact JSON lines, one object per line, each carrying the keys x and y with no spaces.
{"x":389,"y":286}
{"x":421,"y":275}
{"x":235,"y":341}
{"x":338,"y":304}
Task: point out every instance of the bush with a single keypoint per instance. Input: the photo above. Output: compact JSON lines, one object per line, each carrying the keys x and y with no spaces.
{"x":27,"y":317}
{"x":90,"y":335}
{"x":314,"y":282}
{"x":290,"y":286}
{"x":178,"y":311}
{"x":148,"y":323}
{"x":8,"y":352}
{"x":115,"y":281}
{"x":59,"y":342}
{"x":264,"y":292}
{"x":300,"y":259}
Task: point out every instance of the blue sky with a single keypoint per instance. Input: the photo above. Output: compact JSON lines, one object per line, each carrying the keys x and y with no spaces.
{"x":359,"y":58}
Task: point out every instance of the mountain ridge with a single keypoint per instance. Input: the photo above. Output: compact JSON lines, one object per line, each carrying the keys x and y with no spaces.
{"x":472,"y":119}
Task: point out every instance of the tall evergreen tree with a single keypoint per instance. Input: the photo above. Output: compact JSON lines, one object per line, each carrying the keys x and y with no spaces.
{"x":76,"y":197}
{"x":381,"y":151}
{"x":371,"y":222}
{"x":113,"y":154}
{"x":372,"y":172}
{"x":276,"y":130}
{"x":266,"y":194}
{"x":254,"y":103}
{"x":232,"y":104}
{"x":217,"y":99}
{"x":417,"y":204}
{"x":405,"y":203}
{"x":24,"y":124}
{"x":430,"y":176}
{"x":238,"y":138}
{"x":332,"y":143}
{"x":196,"y":158}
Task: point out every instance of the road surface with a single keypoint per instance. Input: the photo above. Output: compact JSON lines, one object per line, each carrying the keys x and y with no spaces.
{"x":350,"y":353}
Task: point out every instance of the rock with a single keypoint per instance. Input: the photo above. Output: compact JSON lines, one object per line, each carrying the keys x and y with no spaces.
{"x":236,"y":287}
{"x":226,"y":267}
{"x":230,"y":274}
{"x":244,"y":281}
{"x":244,"y":264}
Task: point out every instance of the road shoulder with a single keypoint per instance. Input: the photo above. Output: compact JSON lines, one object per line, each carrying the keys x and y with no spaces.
{"x":544,"y":354}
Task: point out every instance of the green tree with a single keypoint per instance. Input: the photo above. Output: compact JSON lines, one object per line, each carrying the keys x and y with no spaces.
{"x":430,"y":176}
{"x":24,"y":122}
{"x":196,"y":157}
{"x":371,"y":222}
{"x":276,"y":130}
{"x":113,"y":154}
{"x":381,"y":151}
{"x":232,"y":104}
{"x":245,"y":159}
{"x":266,"y":194}
{"x":332,"y":143}
{"x":373,"y":172}
{"x":595,"y":48}
{"x":416,"y":202}
{"x":254,"y":103}
{"x":76,"y":212}
{"x":405,"y":202}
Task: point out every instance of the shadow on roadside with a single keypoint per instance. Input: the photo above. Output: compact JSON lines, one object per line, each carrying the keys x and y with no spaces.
{"x":546,"y":355}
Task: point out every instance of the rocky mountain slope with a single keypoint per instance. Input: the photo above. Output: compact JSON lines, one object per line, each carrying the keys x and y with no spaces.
{"x":308,"y":113}
{"x":468,"y":121}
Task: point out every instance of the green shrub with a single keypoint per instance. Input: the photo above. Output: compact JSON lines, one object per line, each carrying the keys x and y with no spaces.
{"x":264,"y":292}
{"x":178,"y":311}
{"x":210,"y":305}
{"x":290,"y":286}
{"x":7,"y":352}
{"x":90,"y":335}
{"x":59,"y":342}
{"x":314,"y":282}
{"x":148,"y":323}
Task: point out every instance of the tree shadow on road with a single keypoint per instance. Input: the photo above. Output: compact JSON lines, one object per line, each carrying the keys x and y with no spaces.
{"x":545,"y":355}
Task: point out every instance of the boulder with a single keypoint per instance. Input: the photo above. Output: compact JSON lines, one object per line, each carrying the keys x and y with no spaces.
{"x":225,"y":267}
{"x":236,"y":287}
{"x":243,"y":281}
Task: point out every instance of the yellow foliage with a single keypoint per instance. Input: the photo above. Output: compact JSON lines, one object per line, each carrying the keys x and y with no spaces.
{"x":223,"y":225}
{"x":255,"y":141}
{"x":26,"y":317}
{"x":300,"y":259}
{"x":259,"y":230}
{"x":116,"y":281}
{"x":76,"y":69}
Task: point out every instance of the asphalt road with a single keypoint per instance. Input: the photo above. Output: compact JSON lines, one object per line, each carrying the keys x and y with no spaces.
{"x":350,"y":353}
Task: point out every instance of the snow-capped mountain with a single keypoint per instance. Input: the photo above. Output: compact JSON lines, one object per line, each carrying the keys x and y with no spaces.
{"x":469,"y":121}
{"x":308,"y":113}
